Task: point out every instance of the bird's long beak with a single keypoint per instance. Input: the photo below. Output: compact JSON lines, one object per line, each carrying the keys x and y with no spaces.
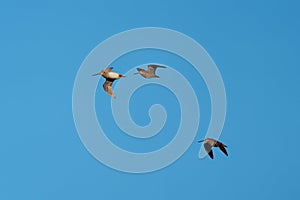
{"x":136,"y":73}
{"x":96,"y":74}
{"x":201,"y":141}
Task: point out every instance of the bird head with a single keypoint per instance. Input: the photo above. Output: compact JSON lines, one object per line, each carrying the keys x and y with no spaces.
{"x":99,"y":73}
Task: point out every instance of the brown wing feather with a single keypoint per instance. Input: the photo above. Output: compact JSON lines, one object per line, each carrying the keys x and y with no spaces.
{"x":107,"y":86}
{"x":152,"y":68}
{"x":108,"y":69}
{"x":223,"y":149}
{"x":208,"y":150}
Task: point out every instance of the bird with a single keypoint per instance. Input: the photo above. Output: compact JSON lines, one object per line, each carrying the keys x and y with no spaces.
{"x":209,"y":143}
{"x":150,"y":72}
{"x":110,"y":78}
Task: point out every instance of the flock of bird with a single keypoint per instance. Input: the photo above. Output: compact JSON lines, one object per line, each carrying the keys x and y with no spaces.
{"x":110,"y":77}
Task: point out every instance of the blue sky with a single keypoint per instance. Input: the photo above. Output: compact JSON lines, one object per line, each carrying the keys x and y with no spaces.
{"x":255,"y":45}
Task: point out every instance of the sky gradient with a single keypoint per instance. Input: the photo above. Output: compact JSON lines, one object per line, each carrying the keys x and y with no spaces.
{"x":255,"y":45}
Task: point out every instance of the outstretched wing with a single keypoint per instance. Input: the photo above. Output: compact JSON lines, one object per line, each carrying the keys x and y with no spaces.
{"x":107,"y":86}
{"x":152,"y":68}
{"x":223,"y":149}
{"x":108,"y":69}
{"x":208,"y":150}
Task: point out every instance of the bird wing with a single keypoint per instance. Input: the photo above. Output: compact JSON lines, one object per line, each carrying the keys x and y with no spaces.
{"x":208,"y":150}
{"x":152,"y":68}
{"x":108,"y":69}
{"x":223,"y":149}
{"x":156,"y":66}
{"x":107,"y":86}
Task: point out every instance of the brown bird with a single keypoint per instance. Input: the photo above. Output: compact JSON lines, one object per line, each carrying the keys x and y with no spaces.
{"x":210,"y":143}
{"x":150,"y":72}
{"x":110,"y":78}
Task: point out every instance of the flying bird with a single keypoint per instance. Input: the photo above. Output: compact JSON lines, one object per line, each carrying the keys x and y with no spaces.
{"x":210,"y":143}
{"x":150,"y":72}
{"x":110,"y":78}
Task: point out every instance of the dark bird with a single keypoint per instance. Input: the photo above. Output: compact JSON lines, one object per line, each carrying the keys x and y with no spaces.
{"x":110,"y":78}
{"x":150,"y":72}
{"x":210,"y":143}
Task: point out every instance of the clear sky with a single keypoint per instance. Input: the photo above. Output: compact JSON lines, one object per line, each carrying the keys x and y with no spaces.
{"x":255,"y":45}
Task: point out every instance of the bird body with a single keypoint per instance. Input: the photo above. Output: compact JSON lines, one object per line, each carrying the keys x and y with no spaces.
{"x":150,"y":72}
{"x":209,"y":143}
{"x":113,"y":75}
{"x":110,"y":78}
